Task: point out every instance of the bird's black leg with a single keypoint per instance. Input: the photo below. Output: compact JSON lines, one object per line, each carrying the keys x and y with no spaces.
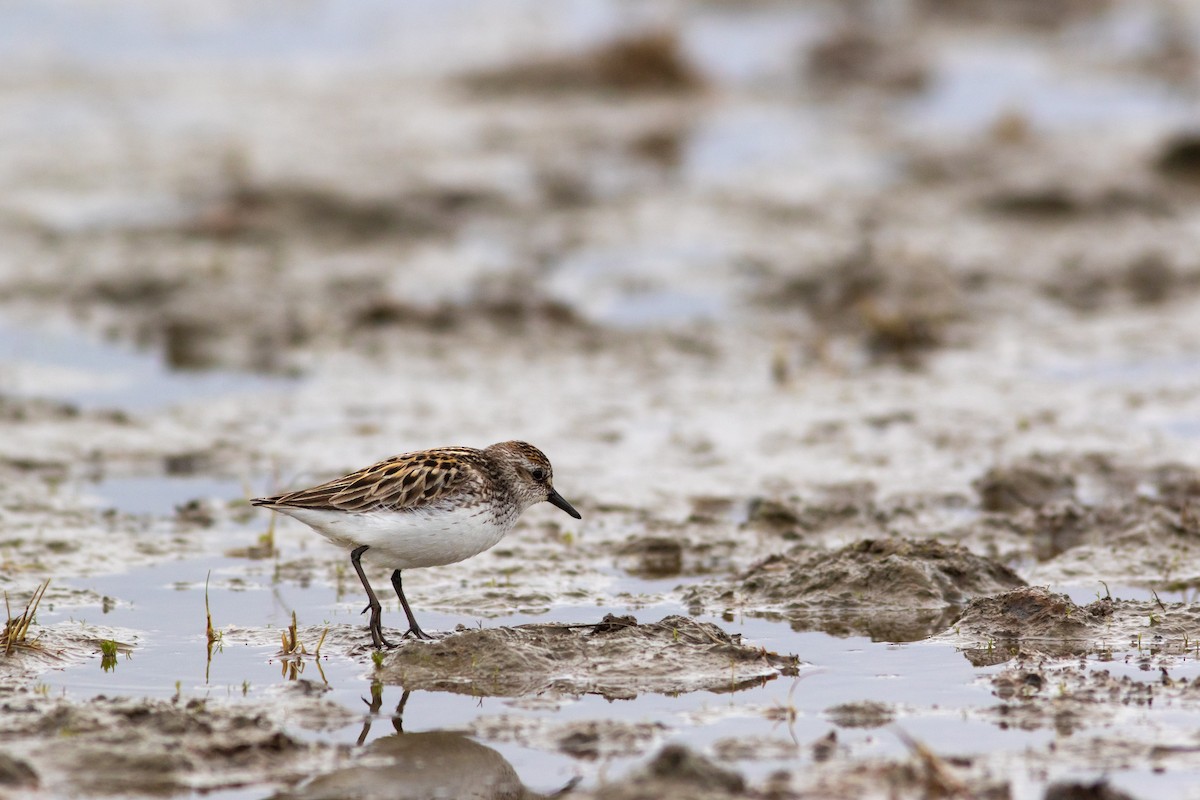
{"x":413,"y":627}
{"x":372,"y":601}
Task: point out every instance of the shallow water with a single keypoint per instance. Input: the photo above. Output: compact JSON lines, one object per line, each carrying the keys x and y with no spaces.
{"x":166,"y":604}
{"x":936,"y":692}
{"x":61,"y":362}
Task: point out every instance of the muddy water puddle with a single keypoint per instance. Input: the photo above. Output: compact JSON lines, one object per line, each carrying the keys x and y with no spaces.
{"x":871,"y":693}
{"x":165,"y":605}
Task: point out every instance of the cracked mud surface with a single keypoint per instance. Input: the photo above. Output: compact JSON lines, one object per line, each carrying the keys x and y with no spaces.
{"x":863,"y":340}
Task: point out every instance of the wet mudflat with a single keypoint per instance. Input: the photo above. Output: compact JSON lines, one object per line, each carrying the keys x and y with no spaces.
{"x":864,"y":340}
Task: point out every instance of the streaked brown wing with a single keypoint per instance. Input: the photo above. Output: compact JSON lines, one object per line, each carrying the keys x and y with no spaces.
{"x":403,"y":482}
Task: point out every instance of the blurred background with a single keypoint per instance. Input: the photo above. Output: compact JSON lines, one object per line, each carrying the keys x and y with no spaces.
{"x":235,"y":184}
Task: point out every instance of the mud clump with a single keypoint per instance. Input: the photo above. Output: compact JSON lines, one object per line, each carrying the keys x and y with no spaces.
{"x":648,"y":63}
{"x":1028,"y":484}
{"x":1036,"y":620}
{"x":890,"y":589}
{"x":1068,"y":506}
{"x":896,"y":308}
{"x":16,"y":774}
{"x":654,"y":556}
{"x":1179,"y":158}
{"x":857,"y":57}
{"x":1032,"y":613}
{"x":273,"y":211}
{"x":617,"y":658}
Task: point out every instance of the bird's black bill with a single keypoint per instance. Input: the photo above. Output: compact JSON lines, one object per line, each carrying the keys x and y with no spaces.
{"x":556,"y":498}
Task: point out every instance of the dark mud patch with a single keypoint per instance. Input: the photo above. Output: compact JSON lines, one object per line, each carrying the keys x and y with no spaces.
{"x":857,"y":57}
{"x":647,"y":63}
{"x":893,"y":308}
{"x":617,"y":658}
{"x":1091,"y":515}
{"x":889,"y":589}
{"x":140,"y":747}
{"x":1035,"y":620}
{"x":1039,"y":14}
{"x":272,"y":211}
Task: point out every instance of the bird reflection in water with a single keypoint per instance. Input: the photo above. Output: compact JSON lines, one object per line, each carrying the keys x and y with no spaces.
{"x":419,"y":766}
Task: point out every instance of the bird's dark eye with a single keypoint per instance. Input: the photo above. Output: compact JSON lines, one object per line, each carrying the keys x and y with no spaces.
{"x":538,"y":474}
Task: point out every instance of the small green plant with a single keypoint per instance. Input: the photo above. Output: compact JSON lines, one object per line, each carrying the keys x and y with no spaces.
{"x":108,"y":654}
{"x":245,"y":688}
{"x":377,"y":658}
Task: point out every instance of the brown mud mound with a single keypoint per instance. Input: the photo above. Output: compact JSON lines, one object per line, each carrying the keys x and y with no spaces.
{"x":646,"y":63}
{"x":1034,"y":620}
{"x":587,"y":740}
{"x":1093,"y":479}
{"x":617,"y":658}
{"x":1092,"y":515}
{"x":1029,"y":617}
{"x":889,"y":589}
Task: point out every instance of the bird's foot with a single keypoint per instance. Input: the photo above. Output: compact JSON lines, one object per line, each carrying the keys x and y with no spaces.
{"x":416,"y":633}
{"x":378,"y":640}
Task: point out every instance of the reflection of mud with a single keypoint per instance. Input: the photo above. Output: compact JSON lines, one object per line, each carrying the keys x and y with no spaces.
{"x":890,"y":589}
{"x":677,"y":773}
{"x":138,"y":747}
{"x":866,"y":714}
{"x":611,"y":659}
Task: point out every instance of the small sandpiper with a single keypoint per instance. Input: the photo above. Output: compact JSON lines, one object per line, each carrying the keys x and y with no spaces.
{"x":424,"y":509}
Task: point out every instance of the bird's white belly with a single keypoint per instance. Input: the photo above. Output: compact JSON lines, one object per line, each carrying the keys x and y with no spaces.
{"x":410,"y":539}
